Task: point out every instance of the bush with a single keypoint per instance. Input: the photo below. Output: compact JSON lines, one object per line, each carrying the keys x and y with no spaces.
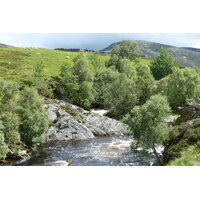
{"x":189,"y":157}
{"x":180,"y":138}
{"x":33,"y":115}
{"x":3,"y":146}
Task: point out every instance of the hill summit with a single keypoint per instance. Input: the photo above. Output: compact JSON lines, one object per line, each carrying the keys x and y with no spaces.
{"x":187,"y":56}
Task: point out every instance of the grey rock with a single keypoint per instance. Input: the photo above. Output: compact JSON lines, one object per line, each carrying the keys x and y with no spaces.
{"x":80,"y":124}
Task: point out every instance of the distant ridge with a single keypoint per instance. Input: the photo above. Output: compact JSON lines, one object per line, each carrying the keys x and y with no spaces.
{"x":5,"y":45}
{"x":187,"y":56}
{"x":191,"y":49}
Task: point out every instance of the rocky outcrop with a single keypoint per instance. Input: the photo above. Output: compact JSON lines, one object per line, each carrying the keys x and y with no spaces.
{"x":72,"y":122}
{"x":190,"y":109}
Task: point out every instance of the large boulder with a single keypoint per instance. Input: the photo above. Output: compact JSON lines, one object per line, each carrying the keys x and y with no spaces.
{"x":68,"y":122}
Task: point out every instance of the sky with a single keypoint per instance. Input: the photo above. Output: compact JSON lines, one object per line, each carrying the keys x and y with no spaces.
{"x":95,"y":41}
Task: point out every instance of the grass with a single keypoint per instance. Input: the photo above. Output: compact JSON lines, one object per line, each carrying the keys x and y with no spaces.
{"x":16,"y":64}
{"x":189,"y":157}
{"x":145,"y":61}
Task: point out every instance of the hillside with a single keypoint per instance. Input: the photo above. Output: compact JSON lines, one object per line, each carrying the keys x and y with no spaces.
{"x":185,"y":55}
{"x":17,"y":63}
{"x":4,"y":45}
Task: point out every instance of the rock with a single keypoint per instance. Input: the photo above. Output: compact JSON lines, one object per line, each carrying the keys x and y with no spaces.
{"x":190,"y":109}
{"x":22,"y":153}
{"x":52,"y":110}
{"x":72,"y":122}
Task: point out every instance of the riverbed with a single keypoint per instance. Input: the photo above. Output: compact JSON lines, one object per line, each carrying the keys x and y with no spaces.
{"x":103,"y":151}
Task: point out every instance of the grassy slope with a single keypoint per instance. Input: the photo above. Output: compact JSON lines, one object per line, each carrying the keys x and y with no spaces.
{"x":17,"y":64}
{"x":189,"y":157}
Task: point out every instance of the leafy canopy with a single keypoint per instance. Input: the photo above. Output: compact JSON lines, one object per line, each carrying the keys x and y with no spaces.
{"x":163,"y":64}
{"x":147,"y":122}
{"x":125,"y":49}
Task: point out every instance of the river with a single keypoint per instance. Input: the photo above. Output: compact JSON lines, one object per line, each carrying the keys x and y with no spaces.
{"x":104,"y":151}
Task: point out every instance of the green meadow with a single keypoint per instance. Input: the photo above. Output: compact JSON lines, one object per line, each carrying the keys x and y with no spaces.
{"x":17,"y":64}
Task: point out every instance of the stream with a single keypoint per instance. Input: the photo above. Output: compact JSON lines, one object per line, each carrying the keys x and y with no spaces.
{"x":103,"y":151}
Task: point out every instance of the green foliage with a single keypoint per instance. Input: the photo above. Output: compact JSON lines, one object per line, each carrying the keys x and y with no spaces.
{"x":125,"y":49}
{"x":96,"y":60}
{"x":181,"y":86}
{"x":3,"y":146}
{"x":122,"y":95}
{"x":42,"y":84}
{"x":9,"y":115}
{"x":125,"y":66}
{"x":189,"y":157}
{"x":17,"y":64}
{"x":102,"y":83}
{"x":147,"y":122}
{"x":162,"y":65}
{"x":77,"y":78}
{"x":180,"y":138}
{"x":145,"y":82}
{"x":33,"y":115}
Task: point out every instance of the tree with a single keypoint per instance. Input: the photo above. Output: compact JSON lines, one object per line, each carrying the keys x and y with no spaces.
{"x":122,"y":95}
{"x":42,"y":84}
{"x":9,"y":115}
{"x":70,"y":81}
{"x":77,"y":78}
{"x":102,"y":83}
{"x":33,"y":115}
{"x":145,"y":82}
{"x":183,"y":85}
{"x":3,"y":146}
{"x":163,"y":64}
{"x":125,"y":49}
{"x":125,"y":66}
{"x":86,"y":94}
{"x":96,"y":60}
{"x":147,"y":123}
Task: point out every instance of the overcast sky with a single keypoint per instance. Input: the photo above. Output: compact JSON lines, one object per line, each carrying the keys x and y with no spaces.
{"x":95,"y":41}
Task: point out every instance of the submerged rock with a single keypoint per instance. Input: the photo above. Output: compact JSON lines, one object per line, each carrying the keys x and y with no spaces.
{"x":72,"y":122}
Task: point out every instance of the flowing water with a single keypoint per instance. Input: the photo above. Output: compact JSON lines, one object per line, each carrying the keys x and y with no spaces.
{"x":104,"y":151}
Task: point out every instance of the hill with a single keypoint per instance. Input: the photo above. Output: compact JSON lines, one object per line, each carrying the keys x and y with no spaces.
{"x":187,"y":56}
{"x":17,"y":64}
{"x":4,"y":45}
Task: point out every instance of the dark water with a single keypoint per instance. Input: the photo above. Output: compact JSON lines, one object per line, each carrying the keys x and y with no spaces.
{"x":106,"y":151}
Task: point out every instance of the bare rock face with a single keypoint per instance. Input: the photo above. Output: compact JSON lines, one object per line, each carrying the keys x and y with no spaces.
{"x":72,"y":122}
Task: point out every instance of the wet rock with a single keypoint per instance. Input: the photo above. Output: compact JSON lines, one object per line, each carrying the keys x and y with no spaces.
{"x":72,"y":122}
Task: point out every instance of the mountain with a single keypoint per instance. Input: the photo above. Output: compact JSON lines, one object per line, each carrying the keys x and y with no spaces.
{"x":187,"y":56}
{"x":4,"y":45}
